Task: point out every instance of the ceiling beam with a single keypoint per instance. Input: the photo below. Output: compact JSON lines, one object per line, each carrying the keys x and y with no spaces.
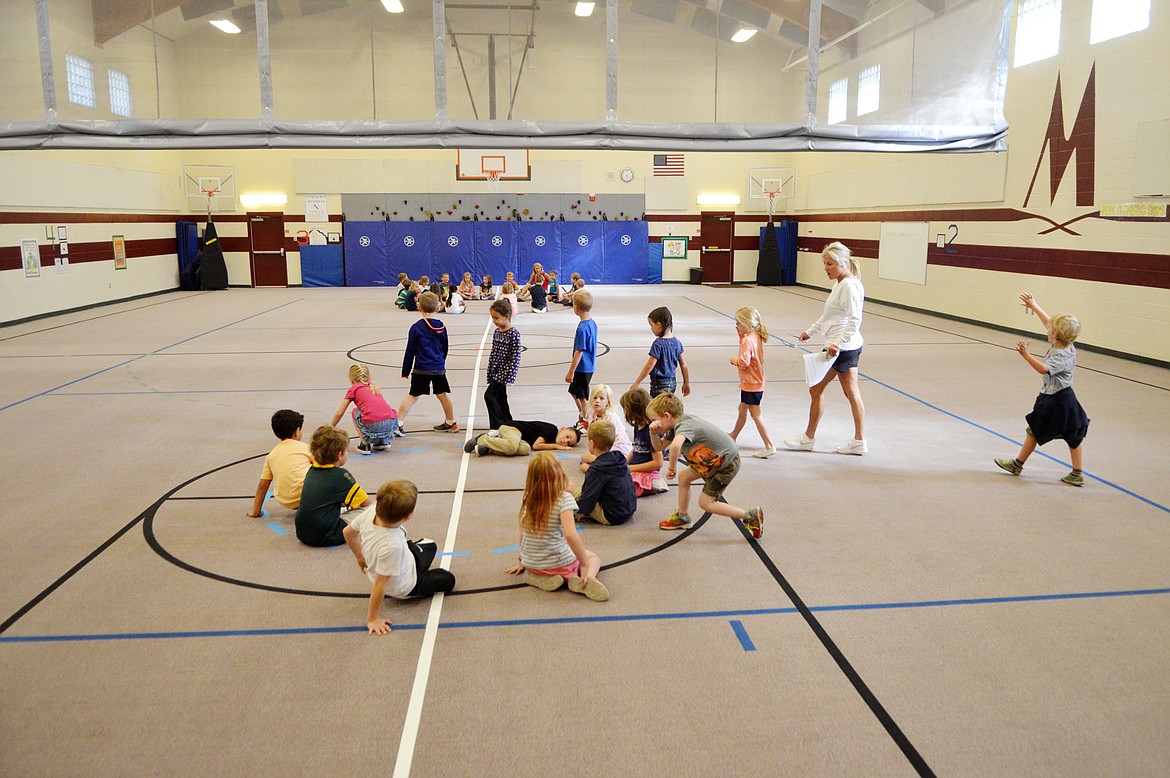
{"x":111,"y":18}
{"x":834,"y":24}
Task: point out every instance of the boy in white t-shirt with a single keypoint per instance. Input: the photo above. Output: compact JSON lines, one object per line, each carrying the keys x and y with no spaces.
{"x":395,"y":566}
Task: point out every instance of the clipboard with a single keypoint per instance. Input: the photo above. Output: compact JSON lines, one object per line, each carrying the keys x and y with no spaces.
{"x":816,"y":366}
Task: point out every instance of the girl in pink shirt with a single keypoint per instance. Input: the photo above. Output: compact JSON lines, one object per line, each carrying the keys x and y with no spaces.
{"x":375,"y":419}
{"x":750,"y":363}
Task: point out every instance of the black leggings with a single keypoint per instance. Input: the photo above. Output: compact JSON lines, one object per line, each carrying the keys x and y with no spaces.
{"x":430,"y":582}
{"x":496,"y":399}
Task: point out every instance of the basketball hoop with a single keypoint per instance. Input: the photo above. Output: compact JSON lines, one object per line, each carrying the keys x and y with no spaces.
{"x":493,"y":178}
{"x":211,"y":193}
{"x":771,"y":195}
{"x":209,"y":186}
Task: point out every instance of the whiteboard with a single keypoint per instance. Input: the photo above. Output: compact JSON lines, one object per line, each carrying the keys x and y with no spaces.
{"x":902,"y":251}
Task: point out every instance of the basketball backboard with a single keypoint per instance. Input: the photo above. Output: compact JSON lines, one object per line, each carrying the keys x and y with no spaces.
{"x":210,"y":187}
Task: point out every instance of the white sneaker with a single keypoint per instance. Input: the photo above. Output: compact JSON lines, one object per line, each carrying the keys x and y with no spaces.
{"x":856,"y":447}
{"x":659,"y":485}
{"x":801,"y":442}
{"x":764,"y":453}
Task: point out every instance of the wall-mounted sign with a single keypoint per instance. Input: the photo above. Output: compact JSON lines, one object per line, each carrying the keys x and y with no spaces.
{"x":674,"y":248}
{"x":119,"y":252}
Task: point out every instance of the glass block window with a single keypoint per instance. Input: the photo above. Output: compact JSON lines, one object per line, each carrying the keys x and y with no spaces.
{"x":1115,"y":18}
{"x":838,"y":100}
{"x":1037,"y":31}
{"x":120,"y":102}
{"x":868,"y":89}
{"x":79,"y":77}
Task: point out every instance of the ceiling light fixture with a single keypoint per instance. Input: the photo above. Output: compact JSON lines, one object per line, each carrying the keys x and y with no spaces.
{"x":584,"y":9}
{"x":744,"y":34}
{"x":266,"y":198}
{"x":717,"y":199}
{"x":224,"y":25}
{"x":392,"y":6}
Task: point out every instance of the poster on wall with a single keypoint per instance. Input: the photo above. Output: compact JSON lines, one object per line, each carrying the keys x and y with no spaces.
{"x":119,"y":252}
{"x":31,"y":254}
{"x":316,"y":208}
{"x":674,"y":248}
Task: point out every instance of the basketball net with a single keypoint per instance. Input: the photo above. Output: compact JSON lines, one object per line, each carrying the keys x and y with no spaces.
{"x":771,"y":197}
{"x":493,"y":178}
{"x":212,"y":204}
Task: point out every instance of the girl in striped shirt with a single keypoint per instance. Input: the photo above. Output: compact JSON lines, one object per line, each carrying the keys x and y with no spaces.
{"x":551,"y":552}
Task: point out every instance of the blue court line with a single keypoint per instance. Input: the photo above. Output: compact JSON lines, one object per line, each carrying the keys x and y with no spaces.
{"x":452,"y":553}
{"x":418,"y":448}
{"x":279,"y":530}
{"x":721,"y":614}
{"x":741,"y":633}
{"x":143,"y":356}
{"x":505,"y":549}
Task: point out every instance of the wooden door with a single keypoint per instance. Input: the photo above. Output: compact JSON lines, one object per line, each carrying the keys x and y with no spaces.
{"x":266,"y":231}
{"x":716,"y":231}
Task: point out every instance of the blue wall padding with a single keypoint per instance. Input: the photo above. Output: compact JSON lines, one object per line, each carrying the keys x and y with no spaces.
{"x":603,"y":252}
{"x":654,"y":263}
{"x":322,"y":265}
{"x":497,"y":250}
{"x":367,"y":262}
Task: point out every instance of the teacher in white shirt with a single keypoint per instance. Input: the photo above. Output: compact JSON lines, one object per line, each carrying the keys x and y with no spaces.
{"x":841,"y":324}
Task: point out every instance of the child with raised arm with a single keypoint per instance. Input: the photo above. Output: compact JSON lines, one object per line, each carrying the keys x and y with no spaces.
{"x":329,"y":487}
{"x":645,"y":461}
{"x":425,"y":363}
{"x":584,"y":352}
{"x":396,"y":566}
{"x":1057,"y":413}
{"x":285,"y":465}
{"x":709,"y":453}
{"x":375,"y":419}
{"x":503,"y":364}
{"x":607,"y":494}
{"x":551,"y":551}
{"x":749,"y":361}
{"x":666,"y":357}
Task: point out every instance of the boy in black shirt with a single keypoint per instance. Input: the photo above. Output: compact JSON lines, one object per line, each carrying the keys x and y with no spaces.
{"x":607,"y":496}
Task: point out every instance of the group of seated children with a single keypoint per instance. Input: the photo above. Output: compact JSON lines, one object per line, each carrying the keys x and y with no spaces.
{"x":541,"y":289}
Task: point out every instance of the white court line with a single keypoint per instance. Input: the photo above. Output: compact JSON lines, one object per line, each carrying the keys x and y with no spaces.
{"x":423,"y":672}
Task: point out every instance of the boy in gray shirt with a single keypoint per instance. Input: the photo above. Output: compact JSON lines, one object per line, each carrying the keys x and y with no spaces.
{"x":710,"y":454}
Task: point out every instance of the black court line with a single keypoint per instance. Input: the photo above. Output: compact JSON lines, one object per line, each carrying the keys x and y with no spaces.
{"x":883,"y":716}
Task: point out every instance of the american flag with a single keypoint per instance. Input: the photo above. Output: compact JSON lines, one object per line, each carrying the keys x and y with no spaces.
{"x":668,"y":165}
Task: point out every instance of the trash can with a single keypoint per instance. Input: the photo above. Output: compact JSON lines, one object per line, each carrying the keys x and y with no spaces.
{"x":696,"y":275}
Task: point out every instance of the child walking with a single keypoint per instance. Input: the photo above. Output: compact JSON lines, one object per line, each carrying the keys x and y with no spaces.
{"x":1057,"y":412}
{"x":710,"y":454}
{"x":395,"y":566}
{"x":666,"y":356}
{"x":750,"y":363}
{"x":584,"y":352}
{"x":602,"y":406}
{"x":644,"y":460}
{"x":425,"y":363}
{"x":551,"y":551}
{"x":503,"y":364}
{"x":373,"y":417}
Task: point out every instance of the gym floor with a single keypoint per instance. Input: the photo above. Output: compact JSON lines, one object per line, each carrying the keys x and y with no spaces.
{"x":915,"y":610}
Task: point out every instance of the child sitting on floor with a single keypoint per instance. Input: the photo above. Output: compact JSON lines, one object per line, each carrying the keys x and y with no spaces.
{"x":644,"y":461}
{"x":285,"y":465}
{"x":607,"y":495}
{"x":395,"y":566}
{"x":329,"y":487}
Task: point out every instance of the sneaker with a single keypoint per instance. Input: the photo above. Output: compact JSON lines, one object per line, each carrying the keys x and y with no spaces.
{"x":594,"y":590}
{"x":764,"y":453}
{"x":445,"y":427}
{"x":801,"y":442}
{"x":1072,"y":479}
{"x":754,"y":521}
{"x":540,"y":310}
{"x":675,"y":522}
{"x":399,"y":432}
{"x":482,"y":450}
{"x":659,"y":485}
{"x":382,"y":447}
{"x":364,"y":448}
{"x":855,"y":447}
{"x":1011,"y":466}
{"x":470,"y":445}
{"x":547,"y":583}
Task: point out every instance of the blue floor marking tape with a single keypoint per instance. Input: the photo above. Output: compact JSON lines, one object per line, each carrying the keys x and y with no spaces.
{"x":142,"y":356}
{"x":741,"y":633}
{"x":452,"y":553}
{"x":557,"y":620}
{"x":505,"y":549}
{"x":279,"y":530}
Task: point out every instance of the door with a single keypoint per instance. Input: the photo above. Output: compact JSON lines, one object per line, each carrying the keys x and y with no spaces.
{"x":715,"y":235}
{"x":266,"y":231}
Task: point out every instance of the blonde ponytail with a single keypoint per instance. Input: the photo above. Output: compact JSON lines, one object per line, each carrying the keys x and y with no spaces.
{"x":749,"y":317}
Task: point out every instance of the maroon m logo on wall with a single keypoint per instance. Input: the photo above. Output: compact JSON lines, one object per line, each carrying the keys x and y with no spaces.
{"x":1082,"y":140}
